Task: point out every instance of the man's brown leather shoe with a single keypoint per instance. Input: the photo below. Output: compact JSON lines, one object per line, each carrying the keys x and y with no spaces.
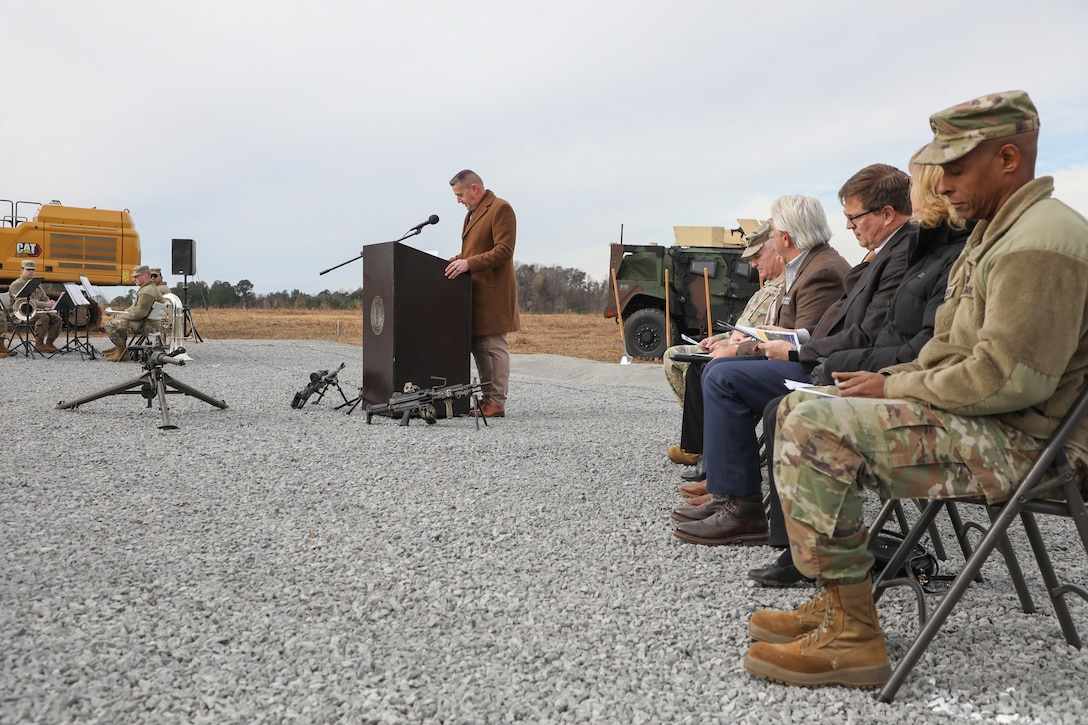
{"x":492,"y":410}
{"x":737,"y":521}
{"x":700,"y":512}
{"x":698,"y":500}
{"x":694,"y":489}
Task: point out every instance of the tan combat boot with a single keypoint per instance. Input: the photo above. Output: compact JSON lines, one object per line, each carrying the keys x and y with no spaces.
{"x":114,"y":354}
{"x":768,"y":625}
{"x":49,"y":346}
{"x":847,"y":649}
{"x":39,"y":344}
{"x":4,"y":351}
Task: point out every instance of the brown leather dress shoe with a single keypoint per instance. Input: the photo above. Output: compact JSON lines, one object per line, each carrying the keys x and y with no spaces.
{"x":492,"y":410}
{"x":737,"y":521}
{"x":698,"y":513}
{"x":694,"y":489}
{"x":698,"y":500}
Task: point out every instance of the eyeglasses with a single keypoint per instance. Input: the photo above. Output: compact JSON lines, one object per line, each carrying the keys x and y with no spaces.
{"x":853,"y":219}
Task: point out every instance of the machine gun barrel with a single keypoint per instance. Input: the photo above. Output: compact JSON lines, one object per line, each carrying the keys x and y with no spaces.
{"x":154,"y":355}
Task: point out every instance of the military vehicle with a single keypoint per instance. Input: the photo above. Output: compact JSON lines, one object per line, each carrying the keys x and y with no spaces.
{"x":640,"y":277}
{"x":67,"y":242}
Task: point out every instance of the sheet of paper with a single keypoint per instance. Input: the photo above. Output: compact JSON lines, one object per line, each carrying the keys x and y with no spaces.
{"x":76,"y":293}
{"x":828,"y":391}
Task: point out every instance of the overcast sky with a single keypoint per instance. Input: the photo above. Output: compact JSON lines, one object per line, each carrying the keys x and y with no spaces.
{"x":285,"y":136}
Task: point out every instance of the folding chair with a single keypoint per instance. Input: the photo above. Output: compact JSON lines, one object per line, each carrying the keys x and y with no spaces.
{"x":1027,"y":499}
{"x":139,"y":334}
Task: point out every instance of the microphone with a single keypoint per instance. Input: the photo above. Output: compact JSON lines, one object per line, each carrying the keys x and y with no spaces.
{"x":432,"y":219}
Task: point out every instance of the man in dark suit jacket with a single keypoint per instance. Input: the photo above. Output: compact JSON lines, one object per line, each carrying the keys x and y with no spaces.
{"x":877,"y":205}
{"x":487,"y":251}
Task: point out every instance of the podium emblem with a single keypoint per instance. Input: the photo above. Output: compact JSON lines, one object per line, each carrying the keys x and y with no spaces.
{"x":377,"y":315}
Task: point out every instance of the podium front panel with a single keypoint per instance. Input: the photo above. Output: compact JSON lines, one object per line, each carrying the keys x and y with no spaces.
{"x":417,"y":324}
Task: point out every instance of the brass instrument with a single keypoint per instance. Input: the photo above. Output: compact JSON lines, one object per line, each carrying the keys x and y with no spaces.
{"x":24,"y":310}
{"x":173,"y":324}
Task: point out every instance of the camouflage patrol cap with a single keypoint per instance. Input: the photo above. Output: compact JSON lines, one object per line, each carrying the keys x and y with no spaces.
{"x":140,"y":269}
{"x":959,"y":129}
{"x":755,"y":240}
{"x":29,"y":264}
{"x":156,"y":271}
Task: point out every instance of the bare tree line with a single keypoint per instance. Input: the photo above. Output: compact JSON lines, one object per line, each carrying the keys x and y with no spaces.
{"x":541,"y":289}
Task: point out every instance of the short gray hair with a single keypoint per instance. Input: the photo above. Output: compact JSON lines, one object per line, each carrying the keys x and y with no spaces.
{"x":803,"y":218}
{"x":468,"y":176}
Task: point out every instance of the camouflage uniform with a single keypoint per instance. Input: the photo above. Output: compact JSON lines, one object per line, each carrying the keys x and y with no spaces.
{"x":760,"y":310}
{"x":971,"y":413}
{"x":119,"y":327}
{"x":829,"y":450}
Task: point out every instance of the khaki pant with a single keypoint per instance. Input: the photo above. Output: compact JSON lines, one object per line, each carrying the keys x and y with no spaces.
{"x":492,"y":356}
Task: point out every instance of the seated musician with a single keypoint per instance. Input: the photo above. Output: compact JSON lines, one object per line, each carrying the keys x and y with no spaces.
{"x":135,"y":316}
{"x":44,"y":322}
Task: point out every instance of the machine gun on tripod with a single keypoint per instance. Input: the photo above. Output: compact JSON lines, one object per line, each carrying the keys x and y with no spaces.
{"x":153,"y":383}
{"x":319,"y":383}
{"x":416,"y":402}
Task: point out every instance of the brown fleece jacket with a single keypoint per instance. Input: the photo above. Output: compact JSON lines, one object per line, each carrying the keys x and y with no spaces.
{"x":1011,"y":339}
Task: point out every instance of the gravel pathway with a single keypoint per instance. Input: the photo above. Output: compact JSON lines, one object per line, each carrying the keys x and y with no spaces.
{"x":265,"y":564}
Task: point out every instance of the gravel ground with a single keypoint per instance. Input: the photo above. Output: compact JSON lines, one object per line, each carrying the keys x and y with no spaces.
{"x":265,"y":564}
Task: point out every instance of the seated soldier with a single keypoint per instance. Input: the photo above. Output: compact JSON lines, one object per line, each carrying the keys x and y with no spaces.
{"x":135,"y":317}
{"x":44,"y":323}
{"x":967,"y":418}
{"x":156,"y":277}
{"x":759,"y":310}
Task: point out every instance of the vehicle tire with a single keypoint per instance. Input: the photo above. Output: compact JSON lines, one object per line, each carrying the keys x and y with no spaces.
{"x":645,"y":333}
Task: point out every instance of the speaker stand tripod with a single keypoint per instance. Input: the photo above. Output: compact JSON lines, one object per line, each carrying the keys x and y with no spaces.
{"x":189,"y":325}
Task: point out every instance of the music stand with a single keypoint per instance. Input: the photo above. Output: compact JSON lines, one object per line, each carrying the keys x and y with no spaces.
{"x":92,"y":296}
{"x":71,"y":304}
{"x":22,"y":329}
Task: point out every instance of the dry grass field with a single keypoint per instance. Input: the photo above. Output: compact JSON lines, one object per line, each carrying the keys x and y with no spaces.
{"x":591,"y":337}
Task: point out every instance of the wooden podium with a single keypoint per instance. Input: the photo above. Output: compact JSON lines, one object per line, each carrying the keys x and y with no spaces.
{"x":417,"y":325}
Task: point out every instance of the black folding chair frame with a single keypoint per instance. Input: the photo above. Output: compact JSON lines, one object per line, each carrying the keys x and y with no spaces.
{"x":1025,"y":502}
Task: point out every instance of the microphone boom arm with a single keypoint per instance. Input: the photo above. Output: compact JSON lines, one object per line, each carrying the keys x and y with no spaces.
{"x":409,"y":233}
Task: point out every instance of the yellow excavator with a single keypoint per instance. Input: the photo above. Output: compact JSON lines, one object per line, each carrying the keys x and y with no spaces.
{"x":68,"y":242}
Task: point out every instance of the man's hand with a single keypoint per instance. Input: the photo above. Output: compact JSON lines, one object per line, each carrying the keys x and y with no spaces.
{"x":713,"y":343}
{"x":860,"y":384}
{"x":456,"y":267}
{"x":727,"y":349}
{"x":775,"y":350}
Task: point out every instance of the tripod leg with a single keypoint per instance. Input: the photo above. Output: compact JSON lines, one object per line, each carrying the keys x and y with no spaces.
{"x":182,"y":387}
{"x":160,"y":390}
{"x":190,"y":326}
{"x":113,"y":390}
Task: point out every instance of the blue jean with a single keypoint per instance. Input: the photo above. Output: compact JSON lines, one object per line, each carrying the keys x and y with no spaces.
{"x":735,"y":392}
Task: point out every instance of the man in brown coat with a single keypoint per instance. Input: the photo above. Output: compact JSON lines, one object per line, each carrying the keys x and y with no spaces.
{"x":487,"y":251}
